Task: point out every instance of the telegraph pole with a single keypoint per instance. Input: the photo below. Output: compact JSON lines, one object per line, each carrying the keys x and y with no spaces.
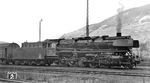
{"x":87,"y":19}
{"x":40,"y":30}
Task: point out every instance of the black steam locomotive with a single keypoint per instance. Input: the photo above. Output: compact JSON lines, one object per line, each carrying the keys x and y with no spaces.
{"x":93,"y":51}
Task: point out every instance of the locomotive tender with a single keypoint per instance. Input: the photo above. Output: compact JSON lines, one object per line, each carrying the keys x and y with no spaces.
{"x":93,"y":51}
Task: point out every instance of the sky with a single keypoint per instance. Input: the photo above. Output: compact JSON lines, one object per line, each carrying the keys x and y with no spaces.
{"x":19,"y":19}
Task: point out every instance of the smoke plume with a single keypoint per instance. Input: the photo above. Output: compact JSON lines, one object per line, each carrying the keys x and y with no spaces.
{"x":119,"y":20}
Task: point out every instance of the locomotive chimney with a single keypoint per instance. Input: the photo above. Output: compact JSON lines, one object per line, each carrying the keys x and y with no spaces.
{"x":119,"y":20}
{"x":118,"y":34}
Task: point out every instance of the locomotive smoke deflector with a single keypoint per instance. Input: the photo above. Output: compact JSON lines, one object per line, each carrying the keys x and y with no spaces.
{"x":135,"y":43}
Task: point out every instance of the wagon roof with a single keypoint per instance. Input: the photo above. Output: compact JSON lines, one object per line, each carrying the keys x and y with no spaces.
{"x":8,"y":44}
{"x":4,"y":44}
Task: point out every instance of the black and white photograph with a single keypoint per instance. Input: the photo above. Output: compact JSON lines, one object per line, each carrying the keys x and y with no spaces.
{"x":74,"y":41}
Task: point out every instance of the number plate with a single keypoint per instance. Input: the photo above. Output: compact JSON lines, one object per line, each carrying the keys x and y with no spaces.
{"x":12,"y":75}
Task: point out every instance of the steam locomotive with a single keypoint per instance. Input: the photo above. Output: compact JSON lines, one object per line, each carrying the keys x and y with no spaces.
{"x":93,"y":52}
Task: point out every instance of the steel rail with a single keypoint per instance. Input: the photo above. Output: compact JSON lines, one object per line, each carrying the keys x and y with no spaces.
{"x":42,"y":69}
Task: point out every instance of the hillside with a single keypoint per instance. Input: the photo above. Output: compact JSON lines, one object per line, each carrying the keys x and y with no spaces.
{"x":136,"y":22}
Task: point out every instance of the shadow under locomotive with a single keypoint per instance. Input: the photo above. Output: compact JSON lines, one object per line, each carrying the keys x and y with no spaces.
{"x":93,"y":51}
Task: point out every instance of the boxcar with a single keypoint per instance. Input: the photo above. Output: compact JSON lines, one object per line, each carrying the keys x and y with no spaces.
{"x":6,"y":50}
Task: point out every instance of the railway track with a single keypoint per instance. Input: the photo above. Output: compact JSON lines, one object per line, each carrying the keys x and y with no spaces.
{"x":121,"y":72}
{"x":9,"y":81}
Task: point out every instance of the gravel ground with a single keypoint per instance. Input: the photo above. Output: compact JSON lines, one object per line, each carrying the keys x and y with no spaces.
{"x":36,"y":76}
{"x":33,"y":77}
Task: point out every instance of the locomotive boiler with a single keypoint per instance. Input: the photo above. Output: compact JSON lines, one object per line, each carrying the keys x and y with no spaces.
{"x":98,"y":51}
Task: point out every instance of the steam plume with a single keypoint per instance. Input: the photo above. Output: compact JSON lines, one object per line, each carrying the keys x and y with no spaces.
{"x":119,"y":20}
